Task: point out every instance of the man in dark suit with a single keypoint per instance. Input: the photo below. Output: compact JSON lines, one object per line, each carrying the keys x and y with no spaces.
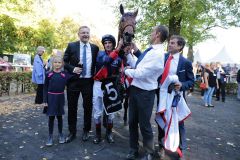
{"x":181,"y":67}
{"x":80,"y":58}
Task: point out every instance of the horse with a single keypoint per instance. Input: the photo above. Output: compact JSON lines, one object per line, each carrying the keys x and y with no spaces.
{"x":126,"y":30}
{"x":127,"y":25}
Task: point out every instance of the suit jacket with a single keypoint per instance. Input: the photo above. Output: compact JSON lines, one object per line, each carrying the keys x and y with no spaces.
{"x":184,"y":72}
{"x":72,"y":57}
{"x":38,"y":73}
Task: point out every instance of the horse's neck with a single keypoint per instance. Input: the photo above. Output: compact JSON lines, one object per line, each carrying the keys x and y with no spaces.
{"x":119,"y":35}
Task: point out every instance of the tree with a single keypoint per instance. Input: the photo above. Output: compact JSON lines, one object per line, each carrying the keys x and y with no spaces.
{"x":66,"y":32}
{"x":46,"y":35}
{"x":7,"y":34}
{"x":26,"y":41}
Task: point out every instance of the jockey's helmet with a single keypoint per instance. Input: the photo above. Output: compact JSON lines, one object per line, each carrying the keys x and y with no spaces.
{"x":109,"y":37}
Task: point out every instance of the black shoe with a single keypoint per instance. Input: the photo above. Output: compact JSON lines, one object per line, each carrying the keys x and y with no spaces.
{"x":85,"y":136}
{"x":109,"y":137}
{"x":70,"y":137}
{"x":132,"y":155}
{"x":97,"y":139}
{"x":223,"y":100}
{"x":217,"y":99}
{"x":210,"y":105}
{"x":161,"y":153}
{"x":147,"y":157}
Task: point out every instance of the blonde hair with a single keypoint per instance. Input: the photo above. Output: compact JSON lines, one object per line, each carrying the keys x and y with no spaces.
{"x":55,"y":58}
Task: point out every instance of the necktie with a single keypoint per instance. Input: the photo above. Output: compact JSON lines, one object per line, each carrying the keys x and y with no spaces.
{"x":142,"y":55}
{"x":84,"y":58}
{"x":166,"y":69}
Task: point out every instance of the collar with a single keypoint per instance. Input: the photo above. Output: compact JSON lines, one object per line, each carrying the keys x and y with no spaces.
{"x":157,"y":46}
{"x":176,"y":55}
{"x":81,"y":44}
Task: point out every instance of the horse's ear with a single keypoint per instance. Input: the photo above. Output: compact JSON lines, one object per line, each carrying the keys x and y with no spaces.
{"x":121,"y":9}
{"x":135,"y":13}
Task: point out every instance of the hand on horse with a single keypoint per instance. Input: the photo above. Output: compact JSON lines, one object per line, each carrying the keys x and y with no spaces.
{"x":120,"y":45}
{"x":134,"y":47}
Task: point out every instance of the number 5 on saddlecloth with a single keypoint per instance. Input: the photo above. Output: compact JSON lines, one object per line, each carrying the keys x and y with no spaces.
{"x":111,"y":98}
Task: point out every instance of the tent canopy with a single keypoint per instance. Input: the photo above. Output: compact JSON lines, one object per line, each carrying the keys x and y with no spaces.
{"x":222,"y":57}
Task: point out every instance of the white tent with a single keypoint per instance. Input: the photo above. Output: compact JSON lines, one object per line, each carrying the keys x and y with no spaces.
{"x":196,"y":57}
{"x":222,"y":57}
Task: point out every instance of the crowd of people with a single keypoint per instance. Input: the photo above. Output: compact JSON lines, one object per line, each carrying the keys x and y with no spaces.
{"x":214,"y":76}
{"x":97,"y":75}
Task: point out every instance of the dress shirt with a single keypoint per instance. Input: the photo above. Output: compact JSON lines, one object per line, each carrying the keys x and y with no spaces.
{"x":148,"y":70}
{"x":89,"y":59}
{"x":174,"y":64}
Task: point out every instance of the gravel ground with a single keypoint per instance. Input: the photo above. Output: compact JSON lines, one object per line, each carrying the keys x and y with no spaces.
{"x":212,"y":133}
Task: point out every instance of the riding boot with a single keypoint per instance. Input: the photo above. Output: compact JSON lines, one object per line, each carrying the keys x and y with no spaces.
{"x":109,"y":135}
{"x":97,"y":138}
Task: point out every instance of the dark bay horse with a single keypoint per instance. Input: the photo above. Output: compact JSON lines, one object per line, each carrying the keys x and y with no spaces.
{"x":127,"y":26}
{"x":126,"y":30}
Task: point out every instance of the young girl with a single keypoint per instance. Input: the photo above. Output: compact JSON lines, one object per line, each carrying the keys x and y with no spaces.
{"x":55,"y":82}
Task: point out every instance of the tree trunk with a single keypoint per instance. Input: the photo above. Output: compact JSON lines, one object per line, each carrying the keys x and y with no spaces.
{"x":190,"y":53}
{"x":175,"y":7}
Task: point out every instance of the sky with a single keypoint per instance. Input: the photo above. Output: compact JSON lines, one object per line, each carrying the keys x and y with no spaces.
{"x":100,"y":16}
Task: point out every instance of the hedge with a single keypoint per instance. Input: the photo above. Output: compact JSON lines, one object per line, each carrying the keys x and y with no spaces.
{"x":20,"y":80}
{"x":231,"y":88}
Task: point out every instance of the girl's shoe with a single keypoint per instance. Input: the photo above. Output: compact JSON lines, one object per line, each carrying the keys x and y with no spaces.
{"x":61,"y":139}
{"x":49,"y":141}
{"x":206,"y":105}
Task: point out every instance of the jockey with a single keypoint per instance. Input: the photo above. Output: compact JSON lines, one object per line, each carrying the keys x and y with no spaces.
{"x":108,"y":64}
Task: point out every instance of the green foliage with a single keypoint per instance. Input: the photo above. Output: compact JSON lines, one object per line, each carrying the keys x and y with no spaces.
{"x":19,"y":78}
{"x":66,"y":32}
{"x":7,"y":34}
{"x":193,"y":19}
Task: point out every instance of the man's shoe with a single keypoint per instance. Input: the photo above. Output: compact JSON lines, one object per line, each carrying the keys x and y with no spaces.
{"x":97,"y":139}
{"x":61,"y":139}
{"x":147,"y":157}
{"x":49,"y":141}
{"x":132,"y":155}
{"x":161,"y":153}
{"x":70,"y":138}
{"x":183,"y":155}
{"x":85,"y":136}
{"x":217,"y":99}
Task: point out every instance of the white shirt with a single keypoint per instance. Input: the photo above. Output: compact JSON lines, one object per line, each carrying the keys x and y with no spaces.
{"x":148,"y":70}
{"x":89,"y":59}
{"x":174,"y":64}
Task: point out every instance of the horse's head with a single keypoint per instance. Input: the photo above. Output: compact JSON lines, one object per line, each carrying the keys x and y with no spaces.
{"x":127,"y":26}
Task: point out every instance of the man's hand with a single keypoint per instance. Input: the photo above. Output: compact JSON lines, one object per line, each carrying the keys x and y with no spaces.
{"x":177,"y":86}
{"x":77,"y":70}
{"x":127,"y":67}
{"x":127,"y":50}
{"x":134,"y":47}
{"x":120,"y":44}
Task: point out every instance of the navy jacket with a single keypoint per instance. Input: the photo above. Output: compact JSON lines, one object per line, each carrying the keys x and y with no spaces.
{"x":184,"y":72}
